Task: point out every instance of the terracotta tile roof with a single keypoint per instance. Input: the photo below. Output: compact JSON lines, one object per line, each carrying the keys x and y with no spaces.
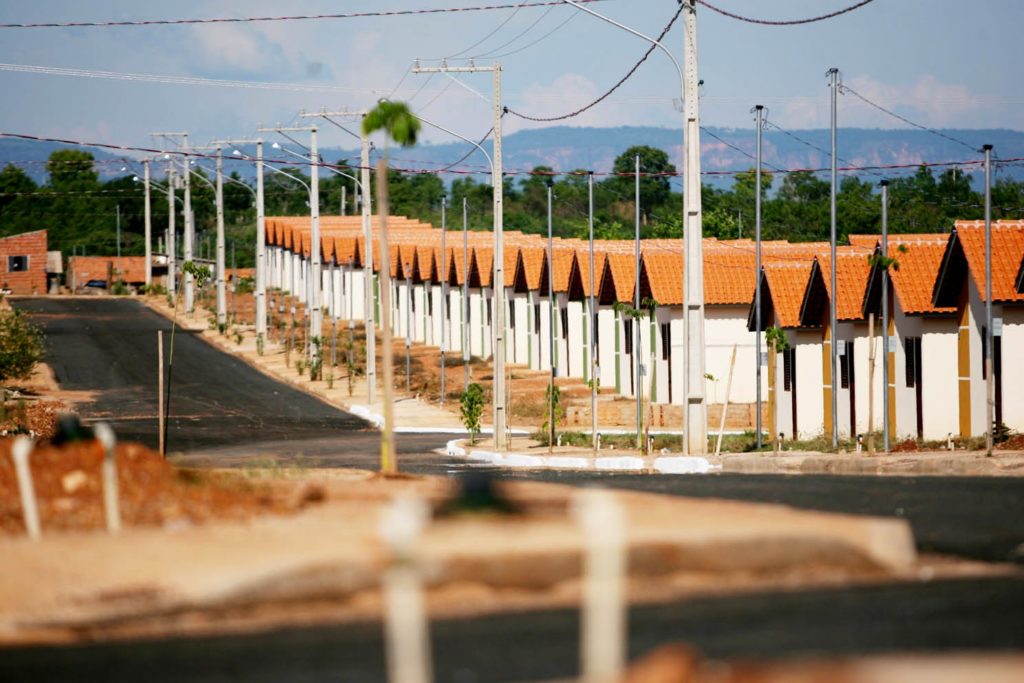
{"x":562,"y":263}
{"x":864,"y":241}
{"x":618,"y":279}
{"x":481,"y":266}
{"x":1020,"y":277}
{"x":583,"y":260}
{"x":661,"y":277}
{"x":919,"y":260}
{"x":1007,"y":252}
{"x":851,"y":279}
{"x":426,"y":266}
{"x":784,"y":284}
{"x":511,"y":253}
{"x":533,"y":264}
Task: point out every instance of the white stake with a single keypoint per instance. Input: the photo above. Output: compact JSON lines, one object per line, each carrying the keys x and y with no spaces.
{"x":20,"y":451}
{"x":603,"y":627}
{"x":405,"y":623}
{"x":725,"y":407}
{"x":105,"y":435}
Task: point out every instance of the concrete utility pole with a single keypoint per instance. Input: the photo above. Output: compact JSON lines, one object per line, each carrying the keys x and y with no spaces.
{"x":186,"y":211}
{"x":222,"y":297}
{"x":638,"y":387}
{"x":261,"y":237}
{"x":148,"y":225}
{"x":444,"y":292}
{"x":465,"y":292}
{"x":551,"y":327}
{"x":313,"y":304}
{"x":990,"y":382}
{"x":696,"y":442}
{"x":759,"y":110}
{"x":367,"y":206}
{"x":833,"y":75}
{"x":120,"y":269}
{"x":885,"y":317}
{"x":172,"y":247}
{"x":592,"y":315}
{"x":500,"y":418}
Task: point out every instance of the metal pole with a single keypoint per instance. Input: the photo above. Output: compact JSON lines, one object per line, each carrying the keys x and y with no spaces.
{"x":368,"y":313}
{"x":120,"y":269}
{"x":833,"y":75}
{"x":261,"y":248}
{"x":316,"y":280}
{"x":637,"y":356}
{"x":160,"y":388}
{"x":234,"y":281}
{"x":172,"y":257}
{"x":408,"y":335}
{"x":148,"y":225}
{"x":990,"y":383}
{"x":551,"y":327}
{"x":444,"y":292}
{"x":759,"y":110}
{"x":886,"y":427}
{"x":189,"y":230}
{"x":343,"y":188}
{"x":497,"y":178}
{"x":222,"y":297}
{"x":592,"y":314}
{"x":695,"y":406}
{"x":465,"y":290}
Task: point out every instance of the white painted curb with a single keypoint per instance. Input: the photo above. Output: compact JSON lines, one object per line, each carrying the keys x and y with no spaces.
{"x":662,"y":465}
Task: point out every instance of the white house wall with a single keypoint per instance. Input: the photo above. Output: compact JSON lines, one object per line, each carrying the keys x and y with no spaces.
{"x":1012,"y":368}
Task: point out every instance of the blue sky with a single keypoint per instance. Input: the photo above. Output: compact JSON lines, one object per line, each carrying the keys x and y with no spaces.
{"x":944,"y":63}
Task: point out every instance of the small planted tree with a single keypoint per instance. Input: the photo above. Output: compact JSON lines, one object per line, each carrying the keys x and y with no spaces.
{"x":471,"y":408}
{"x":21,"y":346}
{"x":884,"y":263}
{"x":555,"y":412}
{"x":777,"y":343}
{"x":401,"y":127}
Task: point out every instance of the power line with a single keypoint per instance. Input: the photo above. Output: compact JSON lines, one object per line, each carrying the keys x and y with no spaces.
{"x":497,"y":28}
{"x":534,"y":42}
{"x":548,"y":119}
{"x":815,"y":147}
{"x":847,"y":89}
{"x":741,"y":151}
{"x":516,"y":37}
{"x":784,"y":22}
{"x":297,"y":17}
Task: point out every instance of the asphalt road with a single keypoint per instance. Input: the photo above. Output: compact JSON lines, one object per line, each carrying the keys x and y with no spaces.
{"x":225,"y":412}
{"x":924,"y":617}
{"x":109,"y":346}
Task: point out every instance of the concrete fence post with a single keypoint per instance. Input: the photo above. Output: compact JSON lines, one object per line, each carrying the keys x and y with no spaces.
{"x":406,"y":635}
{"x":111,"y":502}
{"x":20,"y":451}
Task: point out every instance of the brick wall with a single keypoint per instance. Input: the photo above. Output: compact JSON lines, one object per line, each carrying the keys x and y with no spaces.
{"x":33,"y":279}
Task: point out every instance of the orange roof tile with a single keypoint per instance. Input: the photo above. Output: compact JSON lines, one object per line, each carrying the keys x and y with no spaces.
{"x":481,"y":266}
{"x":661,"y":277}
{"x":914,"y":280}
{"x":784,"y":285}
{"x":851,"y":279}
{"x":618,"y":279}
{"x":1007,"y":251}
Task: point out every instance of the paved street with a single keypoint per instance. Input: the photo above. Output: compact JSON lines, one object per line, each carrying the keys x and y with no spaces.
{"x":227,"y":413}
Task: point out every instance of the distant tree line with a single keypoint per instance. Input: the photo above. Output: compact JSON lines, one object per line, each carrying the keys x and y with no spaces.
{"x":79,"y":209}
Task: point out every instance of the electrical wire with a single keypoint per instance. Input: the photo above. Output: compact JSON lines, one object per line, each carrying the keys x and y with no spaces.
{"x":816,"y":147}
{"x":517,"y":36}
{"x":532,"y":43}
{"x":741,"y":151}
{"x":847,"y":89}
{"x":784,"y":22}
{"x":629,"y":74}
{"x":497,"y":28}
{"x":297,"y":17}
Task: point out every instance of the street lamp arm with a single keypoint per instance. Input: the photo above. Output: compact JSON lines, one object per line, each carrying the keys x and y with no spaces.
{"x":636,"y":33}
{"x":332,"y":170}
{"x":463,"y":138}
{"x":229,"y":179}
{"x":288,"y":175}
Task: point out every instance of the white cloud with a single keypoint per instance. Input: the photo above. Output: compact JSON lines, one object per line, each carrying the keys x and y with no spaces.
{"x":564,"y":94}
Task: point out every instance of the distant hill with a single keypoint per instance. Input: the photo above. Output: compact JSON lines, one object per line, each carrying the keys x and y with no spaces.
{"x":567,"y":148}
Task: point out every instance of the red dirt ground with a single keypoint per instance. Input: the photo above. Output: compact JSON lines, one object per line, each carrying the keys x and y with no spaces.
{"x":68,"y":488}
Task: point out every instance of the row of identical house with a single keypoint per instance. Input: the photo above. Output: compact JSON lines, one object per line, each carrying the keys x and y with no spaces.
{"x":443,"y":296}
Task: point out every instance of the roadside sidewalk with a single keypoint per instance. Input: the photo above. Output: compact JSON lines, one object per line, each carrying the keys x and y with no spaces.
{"x":527,"y":453}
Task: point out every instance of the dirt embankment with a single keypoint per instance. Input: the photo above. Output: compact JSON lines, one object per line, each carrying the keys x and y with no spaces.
{"x":68,"y":487}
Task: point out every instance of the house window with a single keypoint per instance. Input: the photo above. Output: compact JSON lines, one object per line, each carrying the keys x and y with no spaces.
{"x":448,"y":310}
{"x":512,"y":314}
{"x":912,"y":346}
{"x":536,"y":318}
{"x":846,"y":366}
{"x":666,"y":341}
{"x":788,"y":359}
{"x":565,"y":322}
{"x":984,"y":352}
{"x":627,"y":334}
{"x":430,"y":302}
{"x":488,"y":311}
{"x":596,"y":329}
{"x":17,"y":264}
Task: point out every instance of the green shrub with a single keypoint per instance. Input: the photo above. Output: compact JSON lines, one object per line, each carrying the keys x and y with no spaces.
{"x":471,"y":408}
{"x":22,"y":346}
